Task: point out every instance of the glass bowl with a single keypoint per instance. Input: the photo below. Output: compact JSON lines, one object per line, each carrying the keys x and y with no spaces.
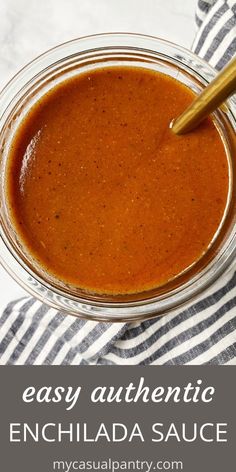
{"x":44,"y":73}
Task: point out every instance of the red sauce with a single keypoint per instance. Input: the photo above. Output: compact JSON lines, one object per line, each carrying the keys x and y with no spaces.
{"x":102,"y":193}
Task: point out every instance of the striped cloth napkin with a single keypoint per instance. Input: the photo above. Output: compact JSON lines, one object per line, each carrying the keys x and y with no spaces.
{"x":205,"y":333}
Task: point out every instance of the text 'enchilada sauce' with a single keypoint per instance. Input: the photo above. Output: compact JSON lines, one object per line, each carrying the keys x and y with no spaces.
{"x":100,"y":190}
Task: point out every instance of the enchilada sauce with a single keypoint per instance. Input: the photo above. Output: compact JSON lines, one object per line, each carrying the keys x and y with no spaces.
{"x":102,"y":194}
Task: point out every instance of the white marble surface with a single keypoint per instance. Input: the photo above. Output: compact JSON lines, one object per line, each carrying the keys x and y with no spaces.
{"x":29,"y":27}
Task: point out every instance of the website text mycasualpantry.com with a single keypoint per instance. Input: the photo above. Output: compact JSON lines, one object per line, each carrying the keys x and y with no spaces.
{"x":111,"y":465}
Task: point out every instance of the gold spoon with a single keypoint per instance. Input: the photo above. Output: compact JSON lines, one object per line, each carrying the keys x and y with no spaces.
{"x":212,"y":96}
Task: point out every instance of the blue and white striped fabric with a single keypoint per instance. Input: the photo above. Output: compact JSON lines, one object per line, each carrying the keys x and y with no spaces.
{"x":205,"y":333}
{"x":216,"y":38}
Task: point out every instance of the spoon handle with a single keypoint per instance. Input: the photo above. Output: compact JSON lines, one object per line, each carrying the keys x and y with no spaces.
{"x":212,"y":96}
